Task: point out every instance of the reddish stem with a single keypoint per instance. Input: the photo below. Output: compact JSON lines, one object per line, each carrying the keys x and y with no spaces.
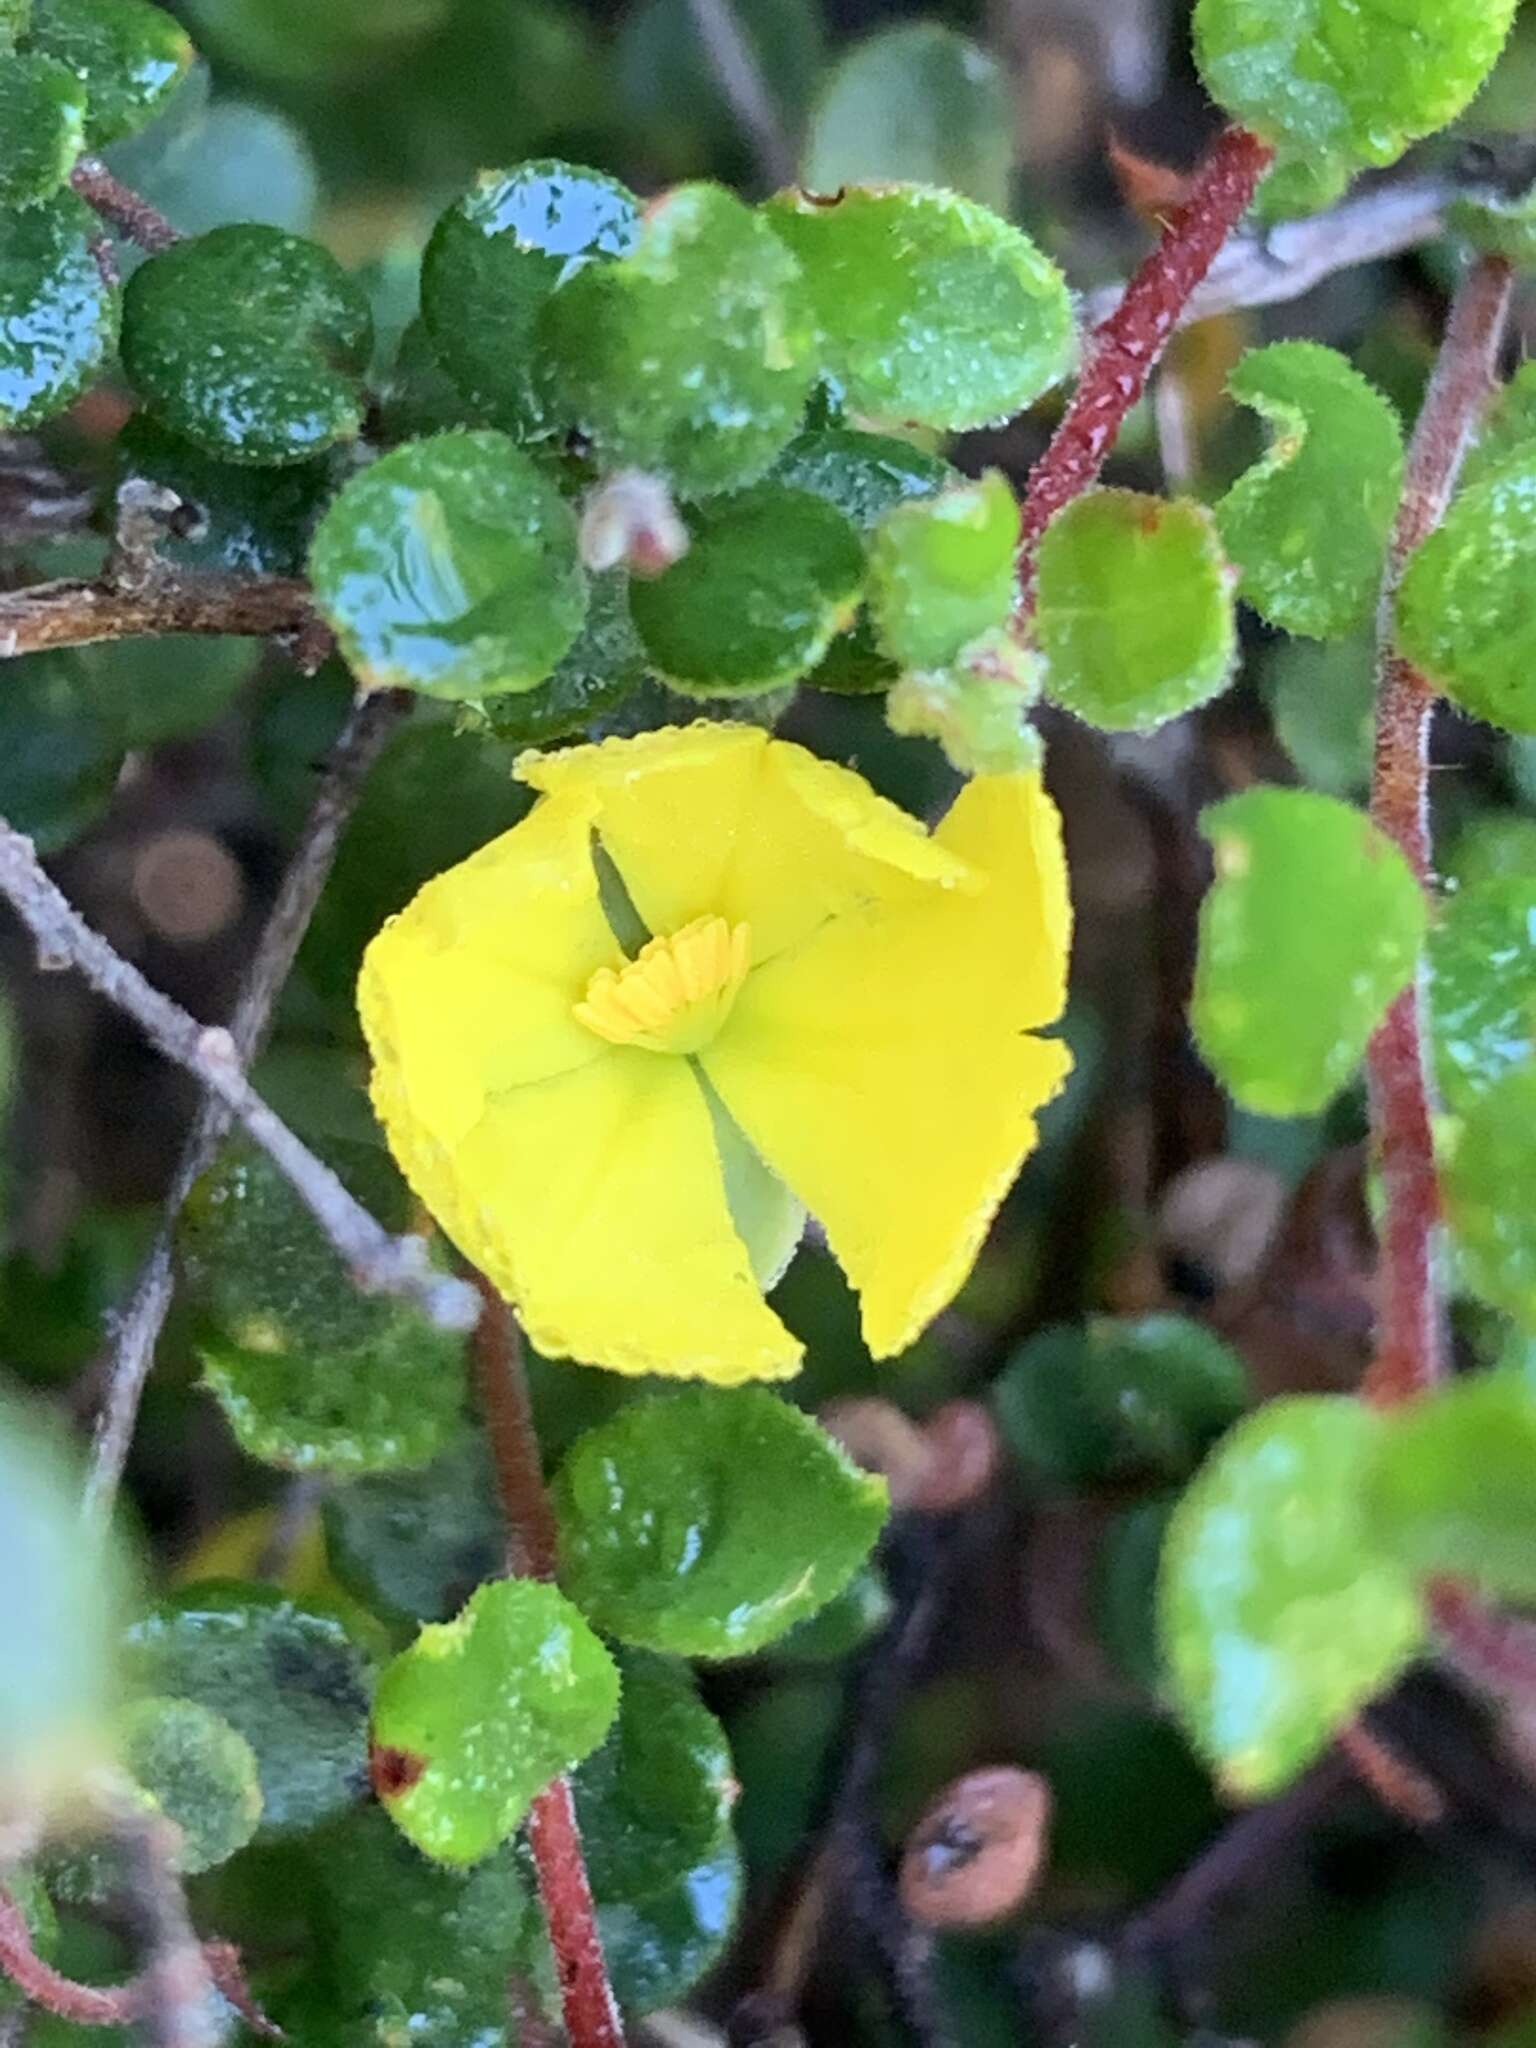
{"x":586,"y":1997}
{"x":591,"y":2011}
{"x":123,"y":209}
{"x":113,"y":2005}
{"x":1125,"y":347}
{"x":1409,"y":1337}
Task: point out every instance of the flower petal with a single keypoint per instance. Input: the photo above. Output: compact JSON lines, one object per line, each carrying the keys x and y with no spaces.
{"x":885,"y":1068}
{"x":596,"y":1203}
{"x":469,"y":991}
{"x":722,"y":820}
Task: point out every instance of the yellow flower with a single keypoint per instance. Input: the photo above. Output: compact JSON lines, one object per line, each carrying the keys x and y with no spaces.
{"x":818,"y":973}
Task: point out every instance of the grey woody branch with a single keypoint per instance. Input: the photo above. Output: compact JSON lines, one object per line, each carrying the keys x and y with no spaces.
{"x":379,"y":1263}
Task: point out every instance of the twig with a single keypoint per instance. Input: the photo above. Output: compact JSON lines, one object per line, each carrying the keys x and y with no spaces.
{"x":379,"y":1263}
{"x":1285,"y":261}
{"x":1125,"y":347}
{"x":554,"y":1838}
{"x":739,"y":76}
{"x":72,"y":613}
{"x":178,"y":2008}
{"x":1409,"y":1341}
{"x":369,"y":726}
{"x":122,"y":208}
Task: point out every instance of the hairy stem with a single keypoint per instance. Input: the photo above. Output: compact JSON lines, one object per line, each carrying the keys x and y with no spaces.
{"x":379,"y":1263}
{"x":586,"y":1997}
{"x":121,"y":207}
{"x":371,"y":722}
{"x":1124,"y":348}
{"x":1409,"y":1337}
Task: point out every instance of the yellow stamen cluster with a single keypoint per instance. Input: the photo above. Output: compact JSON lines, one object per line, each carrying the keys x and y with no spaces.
{"x":676,"y":993}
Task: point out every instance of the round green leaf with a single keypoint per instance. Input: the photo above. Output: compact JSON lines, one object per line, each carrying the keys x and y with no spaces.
{"x":60,"y":749}
{"x":1466,"y":611}
{"x":1134,"y":611}
{"x":931,"y":308}
{"x":1307,"y":526}
{"x":1351,"y":82}
{"x":129,"y":55}
{"x":1084,"y":1402}
{"x":413,"y":1546}
{"x":450,"y":567}
{"x":919,"y":103}
{"x":199,"y":1771}
{"x":1279,"y":1614}
{"x":771,"y":574}
{"x":42,"y":127}
{"x":58,"y":316}
{"x":605,"y":665}
{"x":476,"y":1717}
{"x":1482,"y":986}
{"x":655,"y":1800}
{"x":863,"y":475}
{"x":941,"y":570}
{"x":494,"y":258}
{"x":1487,"y":1173}
{"x":658,"y":1948}
{"x":706,"y":1523}
{"x":58,"y":1596}
{"x":311,"y":1374}
{"x":1453,"y":1487}
{"x":286,"y":1675}
{"x":249,"y":342}
{"x":1312,"y":927}
{"x":691,"y":355}
{"x":412,"y":1951}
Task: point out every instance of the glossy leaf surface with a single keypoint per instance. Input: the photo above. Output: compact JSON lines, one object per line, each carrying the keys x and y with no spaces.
{"x":42,"y":127}
{"x":1279,"y":1615}
{"x":450,"y":567}
{"x":770,"y":576}
{"x":1351,"y":82}
{"x":129,"y":55}
{"x":1134,"y":610}
{"x":931,"y":308}
{"x":1468,"y":597}
{"x":58,"y":318}
{"x":655,"y":1800}
{"x":1488,"y":1163}
{"x":493,"y":260}
{"x":481,"y":1712}
{"x":1482,"y":985}
{"x":1453,"y":1488}
{"x":693,"y":354}
{"x":1313,"y":925}
{"x":1307,"y":526}
{"x":708,"y":1522}
{"x":249,"y":342}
